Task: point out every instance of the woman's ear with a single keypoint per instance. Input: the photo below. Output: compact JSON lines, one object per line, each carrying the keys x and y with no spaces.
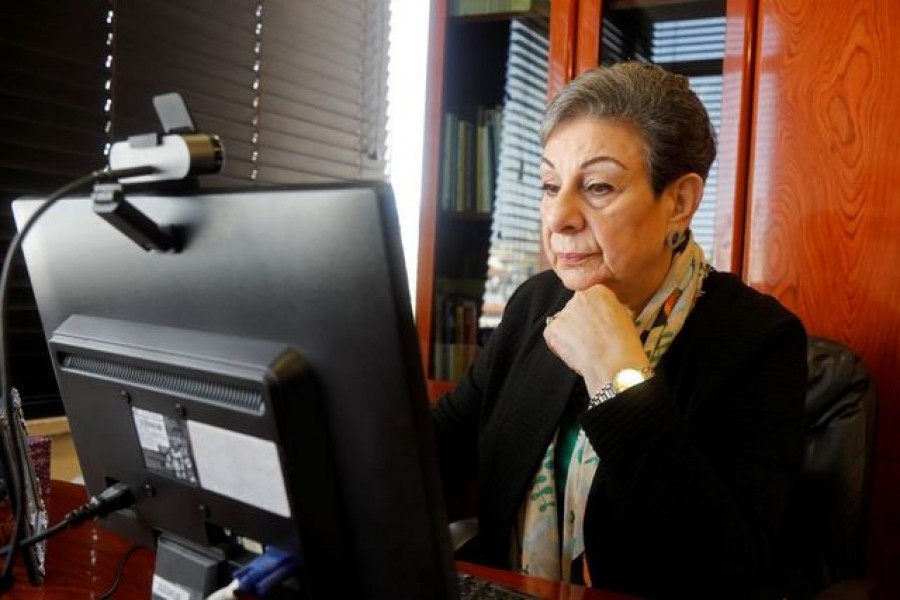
{"x":685,"y":193}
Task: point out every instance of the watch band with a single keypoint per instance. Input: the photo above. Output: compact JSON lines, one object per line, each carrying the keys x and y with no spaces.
{"x":612,"y":388}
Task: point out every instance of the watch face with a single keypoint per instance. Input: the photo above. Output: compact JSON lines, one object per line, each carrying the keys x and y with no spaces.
{"x":626,"y":378}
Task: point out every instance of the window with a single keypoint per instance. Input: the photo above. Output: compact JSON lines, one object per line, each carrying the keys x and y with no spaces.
{"x":515,"y":250}
{"x":297,"y":90}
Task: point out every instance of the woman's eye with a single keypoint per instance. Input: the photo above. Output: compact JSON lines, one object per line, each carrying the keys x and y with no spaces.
{"x":598,"y":189}
{"x":550,"y":189}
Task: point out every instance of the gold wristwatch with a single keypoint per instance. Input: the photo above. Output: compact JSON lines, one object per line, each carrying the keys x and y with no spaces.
{"x":621,"y":381}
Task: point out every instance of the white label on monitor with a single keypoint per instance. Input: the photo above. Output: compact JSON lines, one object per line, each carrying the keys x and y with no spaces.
{"x":165,"y":444}
{"x":166,"y":590}
{"x":151,"y":429}
{"x":239,"y":466}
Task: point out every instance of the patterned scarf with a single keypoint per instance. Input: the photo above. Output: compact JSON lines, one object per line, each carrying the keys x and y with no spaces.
{"x":535,"y":547}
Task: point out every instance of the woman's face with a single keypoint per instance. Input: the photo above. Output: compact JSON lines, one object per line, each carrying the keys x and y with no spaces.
{"x":600,"y":220}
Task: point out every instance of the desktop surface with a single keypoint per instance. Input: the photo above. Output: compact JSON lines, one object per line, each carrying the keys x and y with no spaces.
{"x":81,"y":563}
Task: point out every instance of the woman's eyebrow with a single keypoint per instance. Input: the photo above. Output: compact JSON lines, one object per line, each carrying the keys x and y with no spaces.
{"x":588,"y":162}
{"x":602,"y":158}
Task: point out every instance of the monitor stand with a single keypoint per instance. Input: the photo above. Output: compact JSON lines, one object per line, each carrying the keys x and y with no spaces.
{"x":185,"y":571}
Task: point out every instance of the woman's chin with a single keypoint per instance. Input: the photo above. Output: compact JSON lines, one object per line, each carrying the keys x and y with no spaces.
{"x":576,"y":280}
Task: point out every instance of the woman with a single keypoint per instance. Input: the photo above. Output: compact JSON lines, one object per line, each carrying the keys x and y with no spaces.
{"x":634,"y":423}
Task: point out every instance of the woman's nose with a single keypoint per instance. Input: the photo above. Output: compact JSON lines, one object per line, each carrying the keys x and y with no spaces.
{"x":563,"y":211}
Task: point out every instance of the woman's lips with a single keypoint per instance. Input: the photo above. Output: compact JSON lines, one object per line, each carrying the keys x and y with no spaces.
{"x":572,"y":259}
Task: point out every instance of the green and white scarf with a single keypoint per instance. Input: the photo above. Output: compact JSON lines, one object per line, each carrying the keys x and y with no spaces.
{"x":536,"y":548}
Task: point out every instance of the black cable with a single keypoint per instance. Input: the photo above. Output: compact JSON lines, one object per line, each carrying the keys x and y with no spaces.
{"x":13,"y":474}
{"x":120,"y":571}
{"x":113,"y":498}
{"x":47,"y":533}
{"x":11,"y":469}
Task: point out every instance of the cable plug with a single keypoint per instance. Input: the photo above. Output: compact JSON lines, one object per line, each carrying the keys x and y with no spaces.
{"x":113,"y":498}
{"x":265,"y":571}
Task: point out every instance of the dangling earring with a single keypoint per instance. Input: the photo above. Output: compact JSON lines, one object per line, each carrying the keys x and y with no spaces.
{"x":675,"y":239}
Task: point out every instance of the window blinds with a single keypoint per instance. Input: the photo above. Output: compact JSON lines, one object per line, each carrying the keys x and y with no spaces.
{"x":296,"y":89}
{"x":515,"y":246}
{"x":324,"y":99}
{"x":51,"y":131}
{"x":204,"y":50}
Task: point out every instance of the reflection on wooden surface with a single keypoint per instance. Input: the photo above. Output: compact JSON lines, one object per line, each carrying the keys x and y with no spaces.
{"x":81,"y":562}
{"x":823,"y":221}
{"x":542,"y":588}
{"x":824,"y":213}
{"x":734,"y":134}
{"x":563,"y":25}
{"x":431,"y":161}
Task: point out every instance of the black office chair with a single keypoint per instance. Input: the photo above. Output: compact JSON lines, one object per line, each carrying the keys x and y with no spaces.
{"x":827,"y":541}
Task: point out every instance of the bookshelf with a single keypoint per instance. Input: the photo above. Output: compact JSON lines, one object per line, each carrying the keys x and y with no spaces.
{"x":466,"y":158}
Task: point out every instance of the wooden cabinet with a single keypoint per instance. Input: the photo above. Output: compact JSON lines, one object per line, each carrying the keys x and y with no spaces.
{"x":821,"y":218}
{"x":472,"y":101}
{"x":452,"y":247}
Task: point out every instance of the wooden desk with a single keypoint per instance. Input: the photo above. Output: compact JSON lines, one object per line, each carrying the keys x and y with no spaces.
{"x":81,"y":563}
{"x":542,"y":588}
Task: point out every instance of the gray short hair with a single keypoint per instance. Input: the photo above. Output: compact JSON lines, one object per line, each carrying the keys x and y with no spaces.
{"x":661,"y":107}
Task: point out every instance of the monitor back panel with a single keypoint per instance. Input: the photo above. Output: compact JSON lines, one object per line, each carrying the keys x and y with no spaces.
{"x":316,"y":269}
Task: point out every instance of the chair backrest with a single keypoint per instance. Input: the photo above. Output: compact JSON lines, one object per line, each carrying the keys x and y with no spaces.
{"x":831,"y":508}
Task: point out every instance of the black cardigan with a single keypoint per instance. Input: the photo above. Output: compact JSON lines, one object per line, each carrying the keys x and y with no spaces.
{"x":697,"y":465}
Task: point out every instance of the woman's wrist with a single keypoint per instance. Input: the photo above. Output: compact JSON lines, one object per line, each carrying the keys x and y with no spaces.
{"x":622,"y":380}
{"x":603,"y":372}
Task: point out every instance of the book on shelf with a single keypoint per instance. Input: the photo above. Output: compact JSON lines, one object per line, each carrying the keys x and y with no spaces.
{"x":499,"y":8}
{"x":470,"y":161}
{"x":462,"y":165}
{"x":481,"y":176}
{"x":448,"y":161}
{"x":456,"y":335}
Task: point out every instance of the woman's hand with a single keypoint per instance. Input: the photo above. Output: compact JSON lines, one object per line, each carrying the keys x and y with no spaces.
{"x":594,"y":334}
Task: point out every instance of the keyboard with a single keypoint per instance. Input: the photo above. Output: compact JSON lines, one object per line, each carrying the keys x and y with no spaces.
{"x":475,"y":588}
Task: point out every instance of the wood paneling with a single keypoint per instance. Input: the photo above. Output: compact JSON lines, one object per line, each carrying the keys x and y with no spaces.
{"x":587,"y":45}
{"x":822,"y":209}
{"x":563,"y":28}
{"x":823,"y":212}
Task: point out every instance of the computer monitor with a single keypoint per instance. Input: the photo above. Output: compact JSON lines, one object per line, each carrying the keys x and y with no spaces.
{"x":261,"y":385}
